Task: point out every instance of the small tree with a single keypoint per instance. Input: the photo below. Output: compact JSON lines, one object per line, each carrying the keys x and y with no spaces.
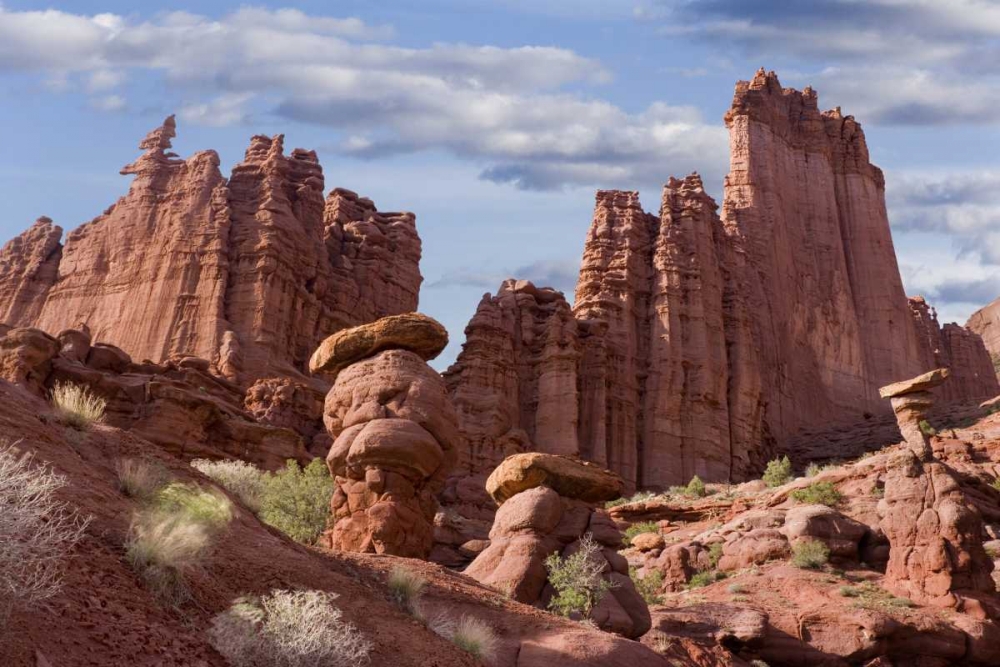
{"x":578,"y":579}
{"x":296,"y":501}
{"x":778,"y":472}
{"x":696,"y":488}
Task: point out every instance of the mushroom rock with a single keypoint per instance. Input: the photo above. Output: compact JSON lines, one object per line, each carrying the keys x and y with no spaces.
{"x":706,"y":338}
{"x":935,"y":533}
{"x":395,"y":440}
{"x":546,"y":507}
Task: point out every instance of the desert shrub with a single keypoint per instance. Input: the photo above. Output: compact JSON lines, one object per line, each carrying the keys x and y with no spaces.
{"x":758,"y":663}
{"x":37,"y":532}
{"x":735,"y":589}
{"x":992,"y":551}
{"x":76,"y":405}
{"x":703,"y":578}
{"x":635,"y":498}
{"x":141,"y":478}
{"x":714,"y":554}
{"x":820,"y":493}
{"x":996,"y":483}
{"x":406,"y":588}
{"x":926,"y":428}
{"x":810,"y":554}
{"x":198,"y":505}
{"x":578,"y":579}
{"x":778,"y":472}
{"x":695,"y":488}
{"x":473,"y":635}
{"x":296,"y":501}
{"x":288,"y":629}
{"x":848,"y":591}
{"x":172,"y":535}
{"x":813,"y":469}
{"x":244,"y":480}
{"x":648,"y":585}
{"x":639,"y":529}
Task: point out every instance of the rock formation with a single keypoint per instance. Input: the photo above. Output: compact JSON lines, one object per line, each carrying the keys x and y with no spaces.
{"x":986,"y":323}
{"x":698,"y":343}
{"x":394,"y":435}
{"x":935,"y":534}
{"x":547,"y":506}
{"x":249,"y":273}
{"x":178,"y":405}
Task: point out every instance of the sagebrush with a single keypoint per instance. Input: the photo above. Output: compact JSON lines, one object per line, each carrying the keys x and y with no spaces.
{"x":296,"y":501}
{"x":810,"y":554}
{"x":288,"y":629}
{"x":76,"y":405}
{"x":578,"y":579}
{"x":38,"y":532}
{"x":244,"y":480}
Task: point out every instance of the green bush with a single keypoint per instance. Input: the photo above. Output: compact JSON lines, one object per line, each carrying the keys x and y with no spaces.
{"x":649,"y":585}
{"x":578,"y":580}
{"x":200,"y":505}
{"x":810,"y":554}
{"x":715,"y":553}
{"x":778,"y":472}
{"x":813,"y":469}
{"x":639,"y":529}
{"x":996,"y":483}
{"x":849,"y":591}
{"x":695,"y":488}
{"x":244,"y":480}
{"x":296,"y":501}
{"x":926,"y":428}
{"x":703,"y":578}
{"x":820,"y":493}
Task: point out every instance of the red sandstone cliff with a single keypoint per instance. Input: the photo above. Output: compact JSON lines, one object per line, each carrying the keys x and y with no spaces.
{"x":704,"y":341}
{"x":986,"y":323}
{"x":249,"y":273}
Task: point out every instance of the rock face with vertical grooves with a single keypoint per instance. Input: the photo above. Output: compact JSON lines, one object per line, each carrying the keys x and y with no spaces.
{"x":249,"y":273}
{"x":704,"y":342}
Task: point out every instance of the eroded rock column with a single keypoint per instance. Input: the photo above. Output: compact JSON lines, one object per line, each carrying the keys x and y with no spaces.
{"x":395,"y":434}
{"x":547,"y":504}
{"x":936,"y":553}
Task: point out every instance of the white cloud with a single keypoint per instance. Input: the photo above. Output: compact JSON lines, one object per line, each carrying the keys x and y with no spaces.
{"x":108,"y":103}
{"x":505,"y":108}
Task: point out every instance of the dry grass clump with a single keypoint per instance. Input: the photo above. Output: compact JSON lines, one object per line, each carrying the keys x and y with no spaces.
{"x":141,"y":478}
{"x":173,"y":534}
{"x":244,"y":480}
{"x":473,"y":635}
{"x":288,"y":629}
{"x":37,"y":532}
{"x":406,"y":588}
{"x":76,"y":405}
{"x":810,"y":554}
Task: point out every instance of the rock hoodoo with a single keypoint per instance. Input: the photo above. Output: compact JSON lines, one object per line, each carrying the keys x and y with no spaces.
{"x":700,"y":343}
{"x":935,"y":534}
{"x":394,"y":436}
{"x":249,"y":273}
{"x":547,"y":506}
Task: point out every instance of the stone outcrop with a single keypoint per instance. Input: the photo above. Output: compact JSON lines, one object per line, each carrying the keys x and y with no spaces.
{"x":702,"y":341}
{"x":177,"y":405}
{"x":394,"y":443}
{"x":553,"y":512}
{"x":986,"y":323}
{"x":249,"y":273}
{"x":935,"y":533}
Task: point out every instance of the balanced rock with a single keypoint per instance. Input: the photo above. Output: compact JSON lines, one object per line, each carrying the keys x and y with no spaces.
{"x":395,"y":440}
{"x":420,"y":334}
{"x":567,"y":476}
{"x":535,"y":520}
{"x":929,"y":380}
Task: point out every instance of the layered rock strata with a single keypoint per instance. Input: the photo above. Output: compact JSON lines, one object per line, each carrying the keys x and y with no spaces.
{"x":935,"y":534}
{"x":394,"y":436}
{"x":700,"y":343}
{"x":547,"y":507}
{"x":178,"y":405}
{"x":249,"y":273}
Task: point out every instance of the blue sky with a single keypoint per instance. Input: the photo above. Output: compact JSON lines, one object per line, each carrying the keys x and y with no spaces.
{"x":495,"y":121}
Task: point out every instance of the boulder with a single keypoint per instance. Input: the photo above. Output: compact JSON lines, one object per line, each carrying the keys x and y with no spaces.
{"x":921,"y":383}
{"x":26,"y":357}
{"x":420,"y":334}
{"x":841,"y":534}
{"x":755,"y":547}
{"x":568,"y":476}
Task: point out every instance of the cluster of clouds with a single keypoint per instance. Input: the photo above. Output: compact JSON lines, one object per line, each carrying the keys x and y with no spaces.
{"x":511,"y":110}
